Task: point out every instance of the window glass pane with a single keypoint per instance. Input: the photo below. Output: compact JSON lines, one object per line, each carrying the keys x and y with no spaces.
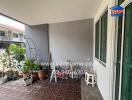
{"x":103,"y":38}
{"x":15,"y":35}
{"x":2,"y":33}
{"x":97,"y":40}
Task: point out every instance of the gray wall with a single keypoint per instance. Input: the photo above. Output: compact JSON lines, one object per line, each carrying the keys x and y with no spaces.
{"x":71,"y":40}
{"x":39,"y":33}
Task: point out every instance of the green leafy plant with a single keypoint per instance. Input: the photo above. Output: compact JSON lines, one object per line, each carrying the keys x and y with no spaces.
{"x":18,"y":52}
{"x":25,"y":69}
{"x":30,"y":65}
{"x":35,"y":67}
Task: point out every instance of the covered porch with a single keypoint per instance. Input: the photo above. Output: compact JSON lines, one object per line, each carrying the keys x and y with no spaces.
{"x":63,"y":33}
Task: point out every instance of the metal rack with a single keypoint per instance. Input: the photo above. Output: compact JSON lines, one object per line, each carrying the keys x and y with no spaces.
{"x":32,"y":48}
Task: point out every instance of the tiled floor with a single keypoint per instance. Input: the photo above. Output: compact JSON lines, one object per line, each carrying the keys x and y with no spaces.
{"x":89,"y":92}
{"x":41,"y":90}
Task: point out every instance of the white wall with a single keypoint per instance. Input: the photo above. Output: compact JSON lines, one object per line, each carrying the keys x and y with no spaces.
{"x":71,"y":40}
{"x":105,"y":72}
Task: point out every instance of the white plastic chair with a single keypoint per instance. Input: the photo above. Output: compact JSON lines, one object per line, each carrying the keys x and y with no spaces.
{"x":90,"y":78}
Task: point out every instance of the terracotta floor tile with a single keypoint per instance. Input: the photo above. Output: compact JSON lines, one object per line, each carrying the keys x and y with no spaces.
{"x":41,"y":90}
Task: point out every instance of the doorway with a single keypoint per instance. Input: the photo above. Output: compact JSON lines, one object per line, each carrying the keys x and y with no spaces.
{"x":123,"y":89}
{"x":126,"y":87}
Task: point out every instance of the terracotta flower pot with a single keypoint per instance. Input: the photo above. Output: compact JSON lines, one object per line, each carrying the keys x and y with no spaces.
{"x":41,"y":74}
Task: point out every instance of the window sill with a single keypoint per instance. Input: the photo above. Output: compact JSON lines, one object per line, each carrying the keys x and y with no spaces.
{"x":101,"y":62}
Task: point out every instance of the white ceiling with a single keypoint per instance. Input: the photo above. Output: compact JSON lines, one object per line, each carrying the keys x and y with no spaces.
{"x":35,"y":12}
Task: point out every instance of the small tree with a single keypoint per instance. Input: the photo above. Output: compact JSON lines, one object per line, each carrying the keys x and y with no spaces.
{"x":17,"y":52}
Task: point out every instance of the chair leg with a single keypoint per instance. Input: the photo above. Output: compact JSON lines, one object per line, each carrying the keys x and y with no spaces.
{"x":52,"y":75}
{"x":72,"y":74}
{"x":85,"y":77}
{"x":92,"y":81}
{"x":51,"y":78}
{"x":88,"y":79}
{"x":55,"y":77}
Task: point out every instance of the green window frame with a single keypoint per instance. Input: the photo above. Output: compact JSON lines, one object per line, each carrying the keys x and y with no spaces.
{"x":101,"y":38}
{"x":97,"y":34}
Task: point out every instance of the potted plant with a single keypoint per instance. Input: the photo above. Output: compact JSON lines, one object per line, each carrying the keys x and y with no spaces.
{"x":27,"y":68}
{"x":41,"y":73}
{"x":34,"y":73}
{"x":32,"y":68}
{"x":25,"y":71}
